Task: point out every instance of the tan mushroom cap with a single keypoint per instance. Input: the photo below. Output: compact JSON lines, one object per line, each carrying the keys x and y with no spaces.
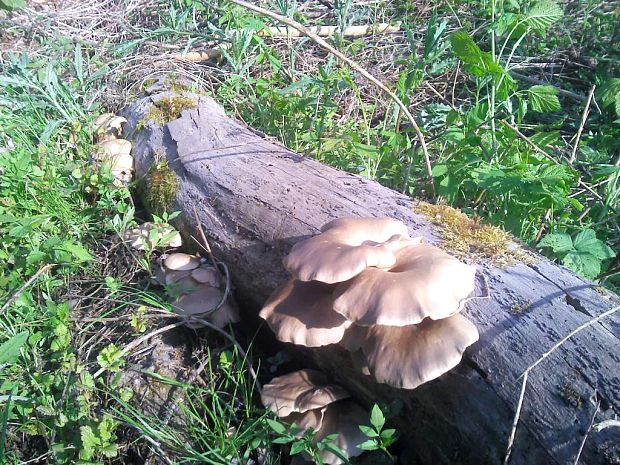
{"x":412,"y":355}
{"x":108,"y":126}
{"x":181,"y":262}
{"x":343,"y":418}
{"x":206,"y":274}
{"x":302,"y":313}
{"x":345,"y":248}
{"x":300,"y":392}
{"x":424,"y":282}
{"x":201,"y":304}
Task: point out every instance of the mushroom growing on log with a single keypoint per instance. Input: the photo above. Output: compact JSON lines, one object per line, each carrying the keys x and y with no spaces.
{"x":256,"y":199}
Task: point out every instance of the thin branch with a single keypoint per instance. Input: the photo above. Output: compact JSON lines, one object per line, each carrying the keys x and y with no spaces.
{"x":585,"y":436}
{"x":26,"y":285}
{"x":584,"y":117}
{"x":525,"y":374}
{"x":355,"y":66}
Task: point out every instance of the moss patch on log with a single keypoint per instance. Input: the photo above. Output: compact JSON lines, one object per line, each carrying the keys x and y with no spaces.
{"x":168,"y":109}
{"x":469,"y":237}
{"x":160,"y":187}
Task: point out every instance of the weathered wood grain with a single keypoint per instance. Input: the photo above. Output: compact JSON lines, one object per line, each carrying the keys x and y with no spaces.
{"x":255,"y":199}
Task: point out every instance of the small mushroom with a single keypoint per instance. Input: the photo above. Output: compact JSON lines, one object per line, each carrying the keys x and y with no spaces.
{"x":406,"y":357}
{"x":302,"y":313}
{"x":300,"y":392}
{"x":345,"y":248}
{"x":424,"y":282}
{"x":108,"y":126}
{"x":181,"y":262}
{"x":200,"y":304}
{"x":206,"y":274}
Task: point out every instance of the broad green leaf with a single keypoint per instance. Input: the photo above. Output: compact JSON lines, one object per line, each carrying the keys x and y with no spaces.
{"x":77,"y":250}
{"x":586,"y":241}
{"x":9,"y":351}
{"x":464,"y":48}
{"x":376,"y":418}
{"x":368,"y":445}
{"x":439,"y":170}
{"x":543,"y":99}
{"x":297,"y":447}
{"x":558,"y":242}
{"x":543,"y":14}
{"x":583,"y":263}
{"x":276,"y":426}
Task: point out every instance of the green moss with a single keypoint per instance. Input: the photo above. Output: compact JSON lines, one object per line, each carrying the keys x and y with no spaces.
{"x":168,"y":109}
{"x":161,"y":185}
{"x":465,"y":236}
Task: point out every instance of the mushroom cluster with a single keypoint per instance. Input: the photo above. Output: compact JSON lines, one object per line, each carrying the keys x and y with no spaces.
{"x":391,"y":300}
{"x":309,"y":400}
{"x":198,"y":288}
{"x":111,"y":149}
{"x":149,"y":236}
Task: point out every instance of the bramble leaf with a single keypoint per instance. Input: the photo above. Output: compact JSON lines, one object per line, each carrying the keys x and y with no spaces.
{"x":544,"y":99}
{"x":558,"y":242}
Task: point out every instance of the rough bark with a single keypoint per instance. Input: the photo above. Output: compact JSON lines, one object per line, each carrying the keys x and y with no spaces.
{"x":255,"y":199}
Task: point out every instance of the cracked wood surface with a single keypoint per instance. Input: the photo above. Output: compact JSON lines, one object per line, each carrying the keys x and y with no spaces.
{"x":255,"y":199}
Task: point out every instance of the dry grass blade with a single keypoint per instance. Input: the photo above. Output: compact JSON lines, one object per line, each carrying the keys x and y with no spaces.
{"x":26,"y":285}
{"x":355,"y":66}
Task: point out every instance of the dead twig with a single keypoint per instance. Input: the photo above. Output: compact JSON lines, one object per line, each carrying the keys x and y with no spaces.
{"x":584,"y":117}
{"x":355,"y":66}
{"x":585,"y":436}
{"x":526,"y":373}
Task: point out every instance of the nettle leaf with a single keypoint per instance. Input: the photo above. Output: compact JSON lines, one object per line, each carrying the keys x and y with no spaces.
{"x":583,"y":263}
{"x":543,"y":14}
{"x":558,"y":242}
{"x":464,"y":47}
{"x":544,"y":99}
{"x":586,"y":241}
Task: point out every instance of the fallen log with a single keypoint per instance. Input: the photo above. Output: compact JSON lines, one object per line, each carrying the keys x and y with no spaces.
{"x":255,"y":199}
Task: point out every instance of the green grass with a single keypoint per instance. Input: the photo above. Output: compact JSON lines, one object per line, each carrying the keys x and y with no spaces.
{"x":57,"y":211}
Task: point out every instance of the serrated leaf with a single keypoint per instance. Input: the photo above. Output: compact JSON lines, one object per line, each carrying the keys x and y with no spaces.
{"x":543,"y":99}
{"x":543,"y":14}
{"x":439,"y":170}
{"x":558,"y":242}
{"x":586,"y":241}
{"x":583,"y":263}
{"x":9,"y":350}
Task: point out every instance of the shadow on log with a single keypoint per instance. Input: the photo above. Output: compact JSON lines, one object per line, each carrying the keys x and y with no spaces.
{"x":256,"y":198}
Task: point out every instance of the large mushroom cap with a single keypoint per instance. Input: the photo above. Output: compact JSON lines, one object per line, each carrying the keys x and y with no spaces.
{"x":181,"y":262}
{"x":300,"y":392}
{"x":344,"y":418}
{"x":108,"y":126}
{"x":412,"y":355}
{"x":345,"y":247}
{"x":424,"y":282}
{"x":302,"y":313}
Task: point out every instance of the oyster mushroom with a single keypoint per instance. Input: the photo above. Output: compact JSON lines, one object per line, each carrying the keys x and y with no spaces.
{"x":300,"y":392}
{"x":406,"y":357}
{"x":108,"y":126}
{"x":345,"y":248}
{"x":302,"y":313}
{"x":424,"y":282}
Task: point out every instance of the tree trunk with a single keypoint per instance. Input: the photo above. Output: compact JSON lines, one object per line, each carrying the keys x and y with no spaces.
{"x":255,"y":199}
